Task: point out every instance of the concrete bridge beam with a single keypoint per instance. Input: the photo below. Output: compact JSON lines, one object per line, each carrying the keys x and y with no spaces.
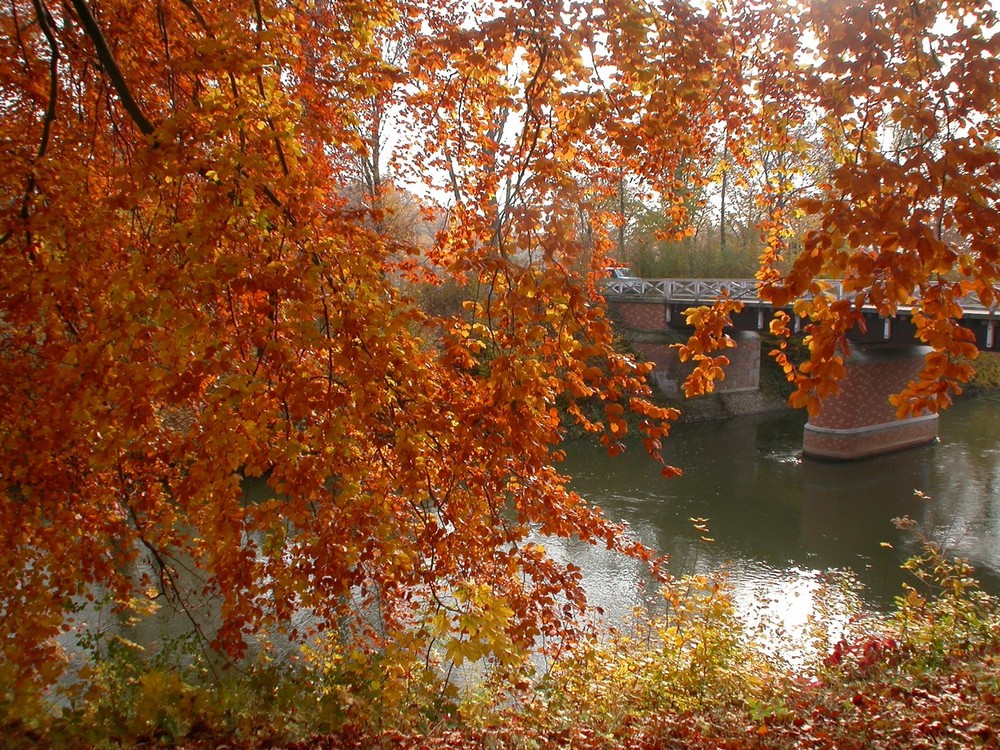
{"x":651,"y":324}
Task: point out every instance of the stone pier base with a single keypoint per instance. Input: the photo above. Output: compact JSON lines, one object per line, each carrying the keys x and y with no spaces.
{"x":860,"y":421}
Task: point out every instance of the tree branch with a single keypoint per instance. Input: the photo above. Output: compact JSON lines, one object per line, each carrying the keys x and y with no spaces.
{"x":110,"y":65}
{"x":45,"y":24}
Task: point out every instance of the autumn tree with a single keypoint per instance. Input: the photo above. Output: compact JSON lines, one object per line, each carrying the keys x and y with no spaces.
{"x":911,"y":220}
{"x":188,"y":301}
{"x":769,"y":175}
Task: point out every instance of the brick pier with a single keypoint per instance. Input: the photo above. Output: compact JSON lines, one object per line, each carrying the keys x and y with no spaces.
{"x":860,"y":421}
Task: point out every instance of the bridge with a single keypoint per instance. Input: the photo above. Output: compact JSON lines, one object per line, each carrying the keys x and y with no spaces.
{"x":856,"y":423}
{"x":675,"y":295}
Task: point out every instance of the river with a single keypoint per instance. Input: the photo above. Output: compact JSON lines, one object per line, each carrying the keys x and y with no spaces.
{"x":781,"y":523}
{"x":783,"y":526}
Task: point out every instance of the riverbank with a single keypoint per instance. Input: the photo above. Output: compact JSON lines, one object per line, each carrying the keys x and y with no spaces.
{"x":927,"y":676}
{"x":987,"y":379}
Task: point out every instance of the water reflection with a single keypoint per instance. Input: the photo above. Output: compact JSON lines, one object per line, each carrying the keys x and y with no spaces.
{"x":781,"y":521}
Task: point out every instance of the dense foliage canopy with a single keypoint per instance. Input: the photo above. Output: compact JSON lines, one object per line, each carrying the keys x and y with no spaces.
{"x":192,"y":296}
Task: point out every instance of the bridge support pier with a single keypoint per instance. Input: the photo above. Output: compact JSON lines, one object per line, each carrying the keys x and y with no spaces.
{"x":859,"y":421}
{"x":742,"y":374}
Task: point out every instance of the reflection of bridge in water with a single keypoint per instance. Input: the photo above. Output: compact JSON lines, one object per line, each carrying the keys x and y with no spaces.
{"x":857,"y":422}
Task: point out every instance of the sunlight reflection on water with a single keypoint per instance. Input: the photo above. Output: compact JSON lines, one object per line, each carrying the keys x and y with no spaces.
{"x":801,"y":540}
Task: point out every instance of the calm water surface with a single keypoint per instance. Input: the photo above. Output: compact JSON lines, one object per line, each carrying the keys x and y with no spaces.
{"x":781,"y":521}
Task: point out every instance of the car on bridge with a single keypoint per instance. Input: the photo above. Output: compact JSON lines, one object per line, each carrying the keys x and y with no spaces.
{"x":621,"y":279}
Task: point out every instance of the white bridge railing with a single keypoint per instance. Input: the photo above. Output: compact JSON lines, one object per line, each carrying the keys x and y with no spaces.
{"x":745,"y":290}
{"x":692,"y":290}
